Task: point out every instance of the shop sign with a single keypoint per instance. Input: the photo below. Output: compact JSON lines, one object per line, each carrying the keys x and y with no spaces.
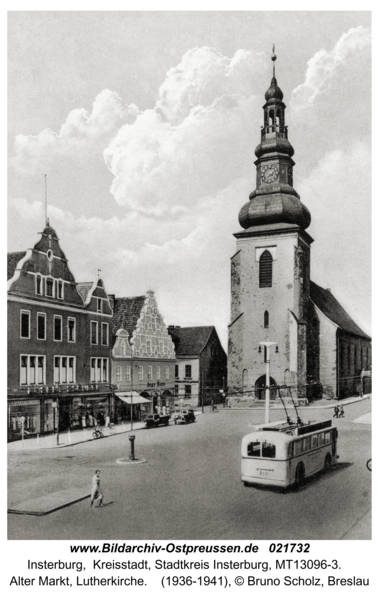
{"x":24,"y":402}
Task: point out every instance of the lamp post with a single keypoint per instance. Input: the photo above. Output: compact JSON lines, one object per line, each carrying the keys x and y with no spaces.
{"x":267,"y":406}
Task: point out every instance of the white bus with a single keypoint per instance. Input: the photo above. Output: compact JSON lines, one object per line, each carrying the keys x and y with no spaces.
{"x":282,"y":454}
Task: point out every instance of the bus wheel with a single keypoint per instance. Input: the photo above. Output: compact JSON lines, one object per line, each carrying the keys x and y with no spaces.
{"x":300,"y":473}
{"x":327,"y":461}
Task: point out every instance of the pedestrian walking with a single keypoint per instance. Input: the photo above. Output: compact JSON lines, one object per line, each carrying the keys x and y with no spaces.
{"x":341,"y":410}
{"x":336,"y":412}
{"x":230,"y":403}
{"x":96,"y":492}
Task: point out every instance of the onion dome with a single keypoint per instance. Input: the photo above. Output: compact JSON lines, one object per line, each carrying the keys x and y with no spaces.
{"x":274,"y":92}
{"x":274,"y":201}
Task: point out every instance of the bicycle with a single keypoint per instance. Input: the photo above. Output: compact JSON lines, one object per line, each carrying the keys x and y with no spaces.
{"x":97,"y":433}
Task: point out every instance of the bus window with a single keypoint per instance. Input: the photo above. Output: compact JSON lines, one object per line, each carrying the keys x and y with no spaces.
{"x":327,"y":437}
{"x":321,"y":439}
{"x":297,"y":447}
{"x":307,"y":443}
{"x":254,"y":449}
{"x":314,"y":441}
{"x":268,"y":450}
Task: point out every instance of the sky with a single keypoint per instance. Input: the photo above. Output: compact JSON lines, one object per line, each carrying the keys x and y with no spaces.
{"x":146,"y":123}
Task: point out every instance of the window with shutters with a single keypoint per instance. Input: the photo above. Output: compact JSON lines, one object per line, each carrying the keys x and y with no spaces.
{"x":265,"y":270}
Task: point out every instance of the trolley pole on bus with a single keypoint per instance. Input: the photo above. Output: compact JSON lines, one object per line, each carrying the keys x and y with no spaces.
{"x":267,"y":405}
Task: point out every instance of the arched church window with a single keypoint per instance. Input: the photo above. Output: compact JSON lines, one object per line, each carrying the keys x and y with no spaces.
{"x":271,"y":117}
{"x":266,"y":318}
{"x":244,"y":379}
{"x":265,"y":270}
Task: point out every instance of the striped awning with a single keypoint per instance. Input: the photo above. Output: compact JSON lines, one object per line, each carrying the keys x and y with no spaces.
{"x":132,"y":398}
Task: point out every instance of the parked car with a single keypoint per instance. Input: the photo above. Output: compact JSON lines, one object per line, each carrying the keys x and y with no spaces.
{"x":153,"y":420}
{"x":186,"y":415}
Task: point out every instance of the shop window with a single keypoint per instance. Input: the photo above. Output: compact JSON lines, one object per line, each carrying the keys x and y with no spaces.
{"x":71,"y":329}
{"x":57,"y":328}
{"x":94,"y":329}
{"x":25,"y":324}
{"x":265,"y":270}
{"x":104,"y":334}
{"x":41,"y":326}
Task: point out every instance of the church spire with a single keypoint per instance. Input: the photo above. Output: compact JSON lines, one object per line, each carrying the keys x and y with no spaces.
{"x":274,"y":200}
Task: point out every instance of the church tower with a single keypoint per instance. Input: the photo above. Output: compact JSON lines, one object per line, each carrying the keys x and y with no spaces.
{"x":270,"y":271}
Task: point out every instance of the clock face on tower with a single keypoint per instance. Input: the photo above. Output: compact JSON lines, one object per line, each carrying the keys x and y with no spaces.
{"x":269,"y":173}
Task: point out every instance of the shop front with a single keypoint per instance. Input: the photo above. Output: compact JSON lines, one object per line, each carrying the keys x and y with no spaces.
{"x":131,"y":403}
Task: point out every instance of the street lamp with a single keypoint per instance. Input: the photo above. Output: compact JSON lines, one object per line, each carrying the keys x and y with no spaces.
{"x":267,"y":406}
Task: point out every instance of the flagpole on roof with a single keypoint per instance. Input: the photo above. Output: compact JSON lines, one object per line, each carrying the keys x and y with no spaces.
{"x":46,"y":219}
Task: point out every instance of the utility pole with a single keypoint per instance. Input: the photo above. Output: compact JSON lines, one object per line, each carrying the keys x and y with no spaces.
{"x":267,"y":406}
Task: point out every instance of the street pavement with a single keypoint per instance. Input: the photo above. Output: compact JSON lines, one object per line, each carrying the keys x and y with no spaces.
{"x":190,"y":486}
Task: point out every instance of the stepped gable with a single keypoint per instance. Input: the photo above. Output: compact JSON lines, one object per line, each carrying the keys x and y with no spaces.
{"x":331,"y":308}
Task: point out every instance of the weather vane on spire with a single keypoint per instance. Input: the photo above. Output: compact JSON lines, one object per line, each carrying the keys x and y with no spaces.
{"x":273,"y":58}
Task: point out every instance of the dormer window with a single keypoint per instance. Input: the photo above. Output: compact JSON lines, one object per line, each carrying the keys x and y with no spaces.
{"x":39,"y":285}
{"x":49,"y":287}
{"x":99,"y":305}
{"x":60,"y":290}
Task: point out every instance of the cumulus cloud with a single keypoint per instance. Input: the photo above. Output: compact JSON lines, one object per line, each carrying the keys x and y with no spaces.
{"x":324,"y":64}
{"x":196,"y":139}
{"x":83,"y":132}
{"x":338,"y":194}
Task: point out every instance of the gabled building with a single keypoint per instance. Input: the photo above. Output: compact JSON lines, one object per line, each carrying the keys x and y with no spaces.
{"x":56,"y":371}
{"x":143,"y":357}
{"x":201,"y":364}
